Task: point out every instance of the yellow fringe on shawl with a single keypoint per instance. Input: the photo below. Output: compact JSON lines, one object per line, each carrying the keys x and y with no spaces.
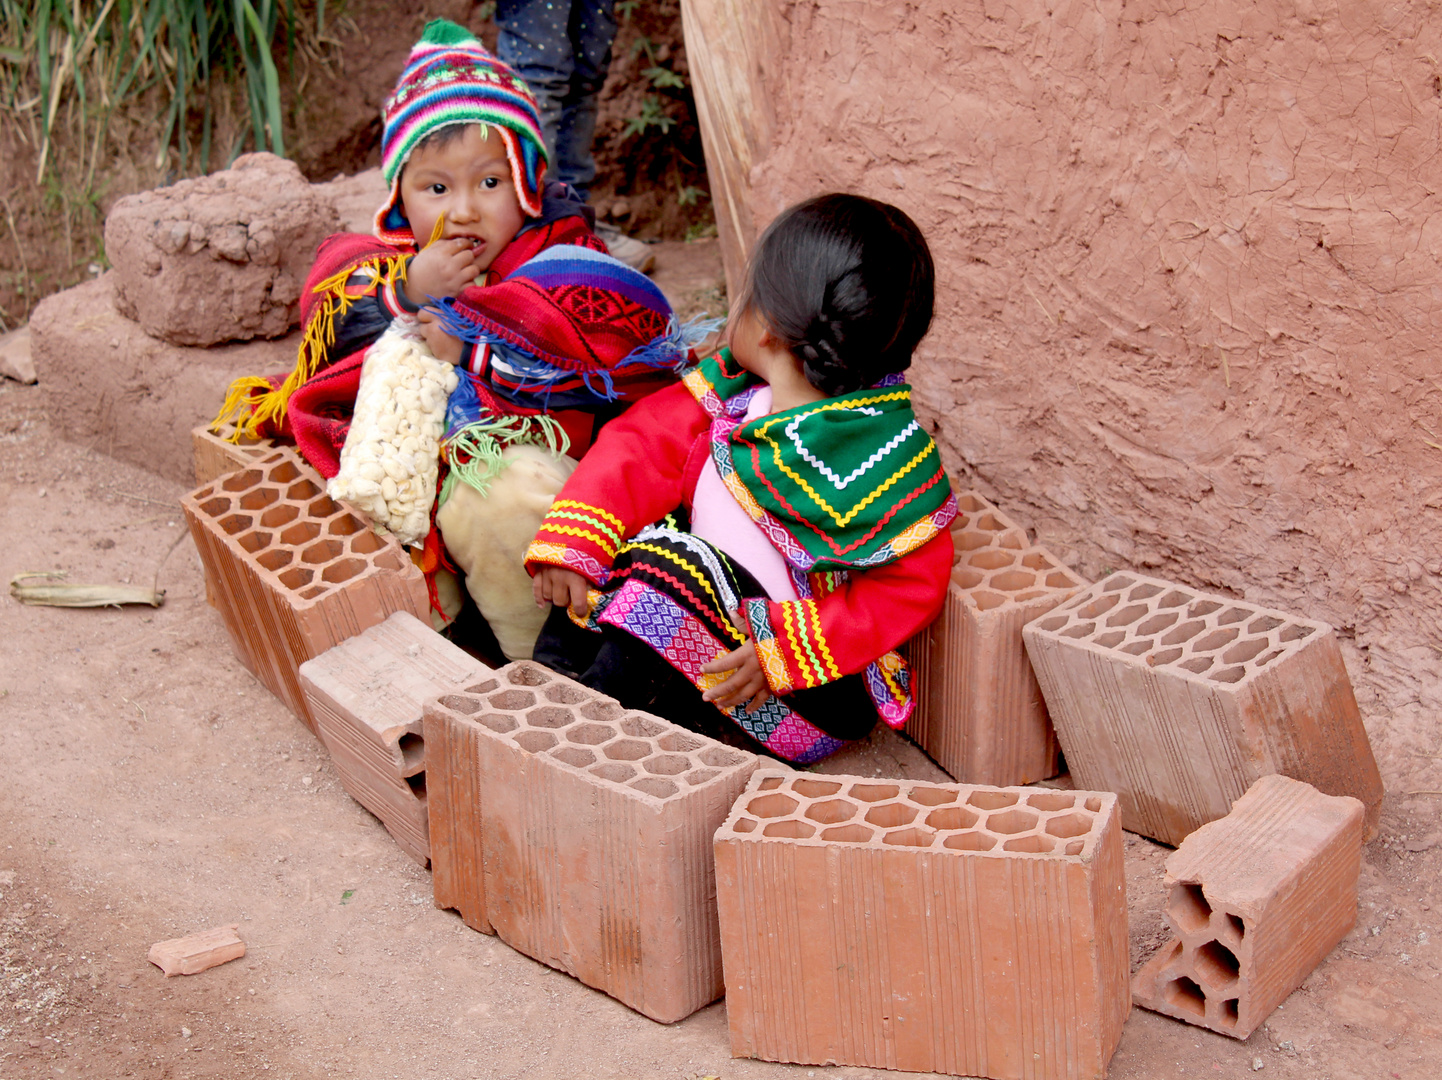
{"x":270,"y":404}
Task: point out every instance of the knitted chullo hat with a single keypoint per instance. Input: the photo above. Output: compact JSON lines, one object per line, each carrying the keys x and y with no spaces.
{"x":451,"y":79}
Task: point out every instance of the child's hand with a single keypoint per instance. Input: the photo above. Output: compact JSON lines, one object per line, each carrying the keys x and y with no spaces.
{"x":442,"y":269}
{"x":443,"y":345}
{"x":562,"y":587}
{"x":747,"y":683}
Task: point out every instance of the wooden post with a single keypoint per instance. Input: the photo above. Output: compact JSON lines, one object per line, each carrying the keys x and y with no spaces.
{"x":728,"y":44}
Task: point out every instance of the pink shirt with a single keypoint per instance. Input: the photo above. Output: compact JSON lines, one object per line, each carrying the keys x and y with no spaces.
{"x":718,"y":518}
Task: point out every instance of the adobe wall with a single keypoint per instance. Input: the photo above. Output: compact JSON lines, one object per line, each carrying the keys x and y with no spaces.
{"x":1189,"y":296}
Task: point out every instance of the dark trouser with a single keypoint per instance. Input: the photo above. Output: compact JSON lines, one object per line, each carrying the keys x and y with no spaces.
{"x":562,"y":48}
{"x":629,"y":670}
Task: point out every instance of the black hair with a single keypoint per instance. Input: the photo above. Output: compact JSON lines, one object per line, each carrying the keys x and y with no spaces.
{"x":846,"y":284}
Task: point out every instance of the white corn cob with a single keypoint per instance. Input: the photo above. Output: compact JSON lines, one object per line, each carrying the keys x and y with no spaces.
{"x":388,"y":464}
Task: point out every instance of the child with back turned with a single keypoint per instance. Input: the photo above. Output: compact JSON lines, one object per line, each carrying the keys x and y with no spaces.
{"x":764,"y":536}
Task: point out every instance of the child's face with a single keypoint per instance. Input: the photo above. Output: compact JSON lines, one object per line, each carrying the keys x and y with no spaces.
{"x":469,"y":180}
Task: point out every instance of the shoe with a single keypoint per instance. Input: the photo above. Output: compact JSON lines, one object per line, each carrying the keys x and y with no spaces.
{"x":632,"y":252}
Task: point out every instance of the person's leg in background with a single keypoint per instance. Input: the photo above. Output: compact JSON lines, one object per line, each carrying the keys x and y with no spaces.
{"x":562,"y":48}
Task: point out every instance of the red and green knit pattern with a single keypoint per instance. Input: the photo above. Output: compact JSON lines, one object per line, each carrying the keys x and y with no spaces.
{"x":452,"y":79}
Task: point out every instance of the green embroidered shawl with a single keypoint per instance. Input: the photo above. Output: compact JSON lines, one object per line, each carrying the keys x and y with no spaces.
{"x":847,"y":482}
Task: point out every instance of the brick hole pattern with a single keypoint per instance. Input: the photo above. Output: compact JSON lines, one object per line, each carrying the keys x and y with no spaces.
{"x":1163,"y":625}
{"x":840,"y":892}
{"x":626,"y":748}
{"x":316,"y":556}
{"x":215,"y":455}
{"x":1211,"y":988}
{"x":979,"y":711}
{"x":955,"y":817}
{"x":995,"y":563}
{"x":1255,"y":901}
{"x":582,"y":834}
{"x":291,"y":572}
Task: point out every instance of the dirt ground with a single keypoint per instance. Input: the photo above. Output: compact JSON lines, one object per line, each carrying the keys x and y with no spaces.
{"x":155,"y":788}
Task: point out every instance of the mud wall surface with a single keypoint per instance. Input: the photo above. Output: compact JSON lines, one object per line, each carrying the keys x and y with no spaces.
{"x":1189,"y":296}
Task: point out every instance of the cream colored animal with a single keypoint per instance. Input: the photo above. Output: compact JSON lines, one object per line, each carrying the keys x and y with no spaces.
{"x":388,"y":465}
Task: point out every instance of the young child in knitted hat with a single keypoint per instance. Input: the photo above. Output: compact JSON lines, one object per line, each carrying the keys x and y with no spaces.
{"x":550,"y":335}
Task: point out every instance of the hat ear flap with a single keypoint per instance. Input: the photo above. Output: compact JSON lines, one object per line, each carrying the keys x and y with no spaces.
{"x":528,"y":166}
{"x":391,"y":226}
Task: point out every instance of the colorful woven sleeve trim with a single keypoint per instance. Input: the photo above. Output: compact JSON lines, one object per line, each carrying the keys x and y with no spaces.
{"x":585,"y":564}
{"x":578,"y":536}
{"x":793,"y":649}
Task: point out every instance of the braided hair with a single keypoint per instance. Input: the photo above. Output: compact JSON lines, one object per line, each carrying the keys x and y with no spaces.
{"x":847,"y":284}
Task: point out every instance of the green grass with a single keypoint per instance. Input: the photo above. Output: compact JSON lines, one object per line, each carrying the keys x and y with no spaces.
{"x":73,"y":62}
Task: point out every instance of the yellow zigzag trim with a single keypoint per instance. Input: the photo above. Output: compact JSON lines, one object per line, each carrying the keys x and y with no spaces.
{"x":832,"y":670}
{"x":791,"y":634}
{"x":842,"y":520}
{"x":612,"y":538}
{"x":706,"y":585}
{"x":606,"y":545}
{"x":764,"y":432}
{"x":606,"y":516}
{"x":251,"y":411}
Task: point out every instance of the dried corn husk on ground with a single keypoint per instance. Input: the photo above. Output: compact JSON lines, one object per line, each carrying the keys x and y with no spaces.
{"x":42,"y":589}
{"x":388,"y":465}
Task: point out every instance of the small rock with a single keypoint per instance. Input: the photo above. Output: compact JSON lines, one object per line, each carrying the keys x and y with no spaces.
{"x":1258,"y":1064}
{"x":15,"y":359}
{"x":306,"y":780}
{"x":105,"y":543}
{"x":620,"y":209}
{"x":1424,"y":843}
{"x":185,"y":1033}
{"x":197,"y":952}
{"x":218,"y":258}
{"x":43,"y":492}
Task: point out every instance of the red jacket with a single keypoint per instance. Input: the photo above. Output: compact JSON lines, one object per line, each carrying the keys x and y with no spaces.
{"x":646,"y":462}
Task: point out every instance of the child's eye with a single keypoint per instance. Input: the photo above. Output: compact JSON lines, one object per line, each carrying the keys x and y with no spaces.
{"x":490,"y":183}
{"x":437,"y":189}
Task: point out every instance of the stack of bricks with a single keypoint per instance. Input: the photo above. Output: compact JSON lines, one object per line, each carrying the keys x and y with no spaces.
{"x":219,"y":452}
{"x":979,"y":711}
{"x":367,"y":696}
{"x":1179,"y":700}
{"x":580,"y":833}
{"x":948,"y":928}
{"x":292,"y":572}
{"x":1258,"y":899}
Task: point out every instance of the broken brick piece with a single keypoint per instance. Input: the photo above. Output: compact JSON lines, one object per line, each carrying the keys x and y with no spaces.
{"x":594,"y":830}
{"x":293,"y":572}
{"x":1179,"y":700}
{"x":950,"y":928}
{"x":196,"y":952}
{"x":1258,"y":899}
{"x":216,"y":454}
{"x":367,"y":695}
{"x":979,"y":712}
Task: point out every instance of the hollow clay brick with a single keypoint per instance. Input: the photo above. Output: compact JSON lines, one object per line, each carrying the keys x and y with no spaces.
{"x":1257,"y":900}
{"x":292,"y":572}
{"x":216,"y":455}
{"x":367,"y":695}
{"x":194,"y":953}
{"x":979,"y":711}
{"x":594,"y":829}
{"x":948,"y":928}
{"x":1179,"y":700}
